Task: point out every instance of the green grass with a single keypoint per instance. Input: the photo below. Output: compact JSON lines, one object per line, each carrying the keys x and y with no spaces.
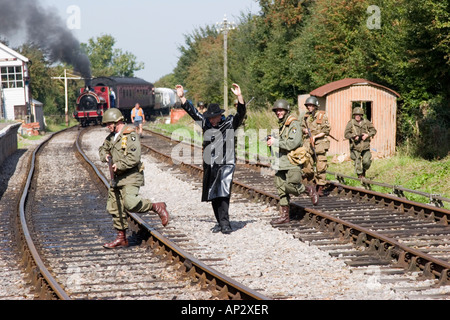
{"x":52,"y":126}
{"x":401,"y":170}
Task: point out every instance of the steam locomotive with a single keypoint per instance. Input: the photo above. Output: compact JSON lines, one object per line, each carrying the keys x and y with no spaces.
{"x":100,"y":94}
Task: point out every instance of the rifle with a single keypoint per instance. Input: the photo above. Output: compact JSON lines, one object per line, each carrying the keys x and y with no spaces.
{"x":113,"y":182}
{"x":270,"y":148}
{"x":333,"y":138}
{"x":311,"y":142}
{"x":360,"y":138}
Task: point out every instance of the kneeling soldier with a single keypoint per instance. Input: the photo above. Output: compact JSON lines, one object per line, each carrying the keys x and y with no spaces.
{"x":123,"y":147}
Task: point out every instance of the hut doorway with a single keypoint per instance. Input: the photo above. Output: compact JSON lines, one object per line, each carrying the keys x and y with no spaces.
{"x":367,"y":107}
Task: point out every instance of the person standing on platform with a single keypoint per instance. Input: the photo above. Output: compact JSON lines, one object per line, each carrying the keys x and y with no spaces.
{"x":122,"y":150}
{"x":219,"y":158}
{"x":138,"y":118}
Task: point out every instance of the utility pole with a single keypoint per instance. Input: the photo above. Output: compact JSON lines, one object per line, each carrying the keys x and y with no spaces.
{"x":65,"y":78}
{"x":224,"y":27}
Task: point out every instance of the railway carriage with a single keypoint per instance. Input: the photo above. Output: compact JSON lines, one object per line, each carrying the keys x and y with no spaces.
{"x":165,"y":99}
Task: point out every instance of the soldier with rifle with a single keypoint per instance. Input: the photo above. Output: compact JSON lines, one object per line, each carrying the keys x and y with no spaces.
{"x":316,"y":130}
{"x":359,"y":132}
{"x":122,"y":151}
{"x":288,"y":176}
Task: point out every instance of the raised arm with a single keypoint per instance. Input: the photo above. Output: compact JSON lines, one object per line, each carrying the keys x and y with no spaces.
{"x":241,"y":108}
{"x":188,"y":107}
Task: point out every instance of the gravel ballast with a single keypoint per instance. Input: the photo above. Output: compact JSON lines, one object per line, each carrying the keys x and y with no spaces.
{"x":262,"y":257}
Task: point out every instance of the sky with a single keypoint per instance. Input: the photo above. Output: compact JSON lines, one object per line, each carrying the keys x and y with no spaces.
{"x":152,"y":30}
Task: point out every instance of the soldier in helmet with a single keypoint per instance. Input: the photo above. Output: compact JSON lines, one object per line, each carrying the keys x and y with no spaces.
{"x":359,"y":132}
{"x":201,"y":107}
{"x":316,"y":128}
{"x":288,"y":176}
{"x":123,"y":147}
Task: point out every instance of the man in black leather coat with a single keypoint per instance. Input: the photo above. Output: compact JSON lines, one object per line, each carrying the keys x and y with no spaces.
{"x":219,"y":158}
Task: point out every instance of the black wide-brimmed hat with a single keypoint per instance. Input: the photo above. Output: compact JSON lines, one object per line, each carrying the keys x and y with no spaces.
{"x":213,"y":110}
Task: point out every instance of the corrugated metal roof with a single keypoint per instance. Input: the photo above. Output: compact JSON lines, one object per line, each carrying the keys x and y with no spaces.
{"x":336,"y":85}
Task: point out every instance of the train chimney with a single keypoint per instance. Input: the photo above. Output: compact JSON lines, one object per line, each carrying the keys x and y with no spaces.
{"x":88,"y":84}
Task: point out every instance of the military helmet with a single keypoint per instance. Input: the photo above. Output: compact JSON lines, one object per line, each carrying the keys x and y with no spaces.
{"x":312,"y":100}
{"x":112,"y":115}
{"x":281,"y":104}
{"x":358,"y":110}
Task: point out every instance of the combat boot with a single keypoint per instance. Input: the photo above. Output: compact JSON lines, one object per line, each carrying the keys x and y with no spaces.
{"x":320,"y":191}
{"x":120,"y":241}
{"x":284,"y":216}
{"x":311,"y":190}
{"x":160,"y":209}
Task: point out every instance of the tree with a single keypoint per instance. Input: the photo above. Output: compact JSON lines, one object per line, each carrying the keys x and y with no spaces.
{"x":332,"y":45}
{"x":167,"y":81}
{"x":108,"y":61}
{"x":43,"y":87}
{"x":200,"y":64}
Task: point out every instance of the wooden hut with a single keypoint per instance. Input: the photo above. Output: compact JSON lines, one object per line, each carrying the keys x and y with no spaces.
{"x":379,"y":103}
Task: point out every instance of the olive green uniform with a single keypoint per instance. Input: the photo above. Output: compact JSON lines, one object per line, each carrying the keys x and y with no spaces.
{"x":288,"y":176}
{"x":125,"y":150}
{"x":317,"y":123}
{"x":360,"y":150}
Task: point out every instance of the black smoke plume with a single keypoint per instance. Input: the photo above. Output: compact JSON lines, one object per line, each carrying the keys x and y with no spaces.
{"x":45,"y":28}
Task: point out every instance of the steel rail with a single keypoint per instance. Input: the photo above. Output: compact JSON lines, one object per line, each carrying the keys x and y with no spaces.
{"x":398,"y":190}
{"x":209,"y":277}
{"x":407,"y":257}
{"x":422,"y":210}
{"x":435,"y":199}
{"x":41,"y":276}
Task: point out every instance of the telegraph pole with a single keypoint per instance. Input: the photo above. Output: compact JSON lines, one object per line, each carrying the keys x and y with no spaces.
{"x":65,"y":78}
{"x":224,"y":27}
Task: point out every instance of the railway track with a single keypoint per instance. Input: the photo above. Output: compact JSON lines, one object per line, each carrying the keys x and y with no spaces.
{"x":64,"y":224}
{"x":357,"y":249}
{"x":365,"y":228}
